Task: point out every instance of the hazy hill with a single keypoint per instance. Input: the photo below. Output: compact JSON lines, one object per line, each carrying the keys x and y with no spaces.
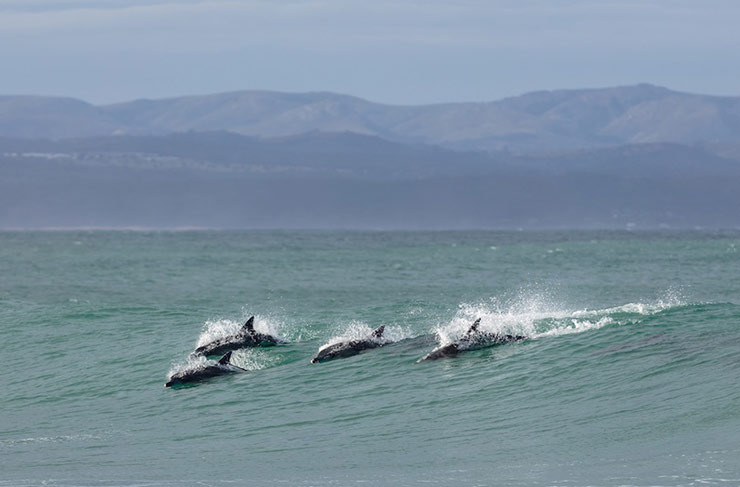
{"x":345,"y":180}
{"x":343,"y":154}
{"x":539,"y":122}
{"x":41,"y":116}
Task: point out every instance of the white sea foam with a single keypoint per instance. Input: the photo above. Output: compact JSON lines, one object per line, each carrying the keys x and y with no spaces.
{"x":670,"y":299}
{"x":49,"y":439}
{"x":254,"y":359}
{"x":575,"y":326}
{"x":537,"y":315}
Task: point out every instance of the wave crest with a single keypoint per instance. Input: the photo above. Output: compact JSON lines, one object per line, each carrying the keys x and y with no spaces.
{"x":537,"y":316}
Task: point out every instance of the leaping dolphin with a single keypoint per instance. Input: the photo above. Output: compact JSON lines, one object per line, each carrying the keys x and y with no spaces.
{"x":221,"y":367}
{"x":246,"y":337}
{"x":351,"y":347}
{"x":473,"y":339}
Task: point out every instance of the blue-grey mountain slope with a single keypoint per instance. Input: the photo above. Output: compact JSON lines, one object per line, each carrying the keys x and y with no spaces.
{"x":547,"y":121}
{"x":52,"y":117}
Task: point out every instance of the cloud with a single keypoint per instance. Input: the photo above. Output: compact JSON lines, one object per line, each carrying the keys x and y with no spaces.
{"x":61,"y":5}
{"x":350,"y":24}
{"x":431,"y":49}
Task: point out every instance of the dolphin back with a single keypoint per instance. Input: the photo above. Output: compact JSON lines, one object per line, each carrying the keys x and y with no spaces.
{"x":349,"y":348}
{"x":235,"y":342}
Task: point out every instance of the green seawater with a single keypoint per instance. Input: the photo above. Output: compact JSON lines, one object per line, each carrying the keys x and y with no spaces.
{"x":630,"y":375}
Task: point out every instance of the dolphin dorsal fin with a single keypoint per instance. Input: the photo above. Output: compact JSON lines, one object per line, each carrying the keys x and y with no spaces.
{"x":225,"y":359}
{"x":249,"y":325}
{"x":379,"y":332}
{"x":474,"y":327}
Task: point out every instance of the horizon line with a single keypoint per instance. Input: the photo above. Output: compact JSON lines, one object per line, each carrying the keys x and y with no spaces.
{"x":630,"y":228}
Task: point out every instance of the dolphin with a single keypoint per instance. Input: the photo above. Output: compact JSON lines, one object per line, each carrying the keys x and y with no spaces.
{"x":222,"y":367}
{"x":351,"y":347}
{"x":246,"y":337}
{"x":473,"y":339}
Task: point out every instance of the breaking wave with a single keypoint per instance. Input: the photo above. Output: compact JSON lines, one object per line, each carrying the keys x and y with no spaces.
{"x":536,"y":315}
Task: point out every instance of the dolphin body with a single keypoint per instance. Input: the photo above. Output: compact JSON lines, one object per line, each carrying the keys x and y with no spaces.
{"x":350,"y":348}
{"x":473,"y":339}
{"x":246,"y":337}
{"x":222,"y":367}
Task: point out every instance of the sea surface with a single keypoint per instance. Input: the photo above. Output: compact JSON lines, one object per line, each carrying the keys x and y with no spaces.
{"x":630,"y":375}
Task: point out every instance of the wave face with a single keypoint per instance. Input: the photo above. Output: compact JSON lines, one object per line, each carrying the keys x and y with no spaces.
{"x":629,"y":376}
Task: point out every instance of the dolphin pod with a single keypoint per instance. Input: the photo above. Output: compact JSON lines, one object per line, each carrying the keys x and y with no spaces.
{"x":247,"y":336}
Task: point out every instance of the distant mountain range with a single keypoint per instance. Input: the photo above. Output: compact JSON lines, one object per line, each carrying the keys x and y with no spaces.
{"x":534,"y":123}
{"x":637,"y":156}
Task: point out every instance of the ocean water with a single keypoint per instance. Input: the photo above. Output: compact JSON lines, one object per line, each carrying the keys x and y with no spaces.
{"x":630,"y":375}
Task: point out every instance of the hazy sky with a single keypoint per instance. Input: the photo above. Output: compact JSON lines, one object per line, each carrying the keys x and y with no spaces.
{"x":387,"y":51}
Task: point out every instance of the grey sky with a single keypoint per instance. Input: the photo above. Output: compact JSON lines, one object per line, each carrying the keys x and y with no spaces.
{"x":382,"y":50}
